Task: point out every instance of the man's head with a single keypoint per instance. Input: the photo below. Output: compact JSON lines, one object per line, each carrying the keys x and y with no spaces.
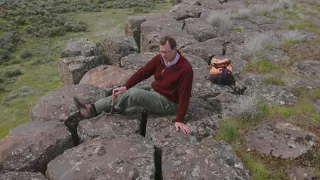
{"x":168,"y":47}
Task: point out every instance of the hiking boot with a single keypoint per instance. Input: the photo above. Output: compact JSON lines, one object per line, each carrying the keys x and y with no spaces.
{"x":87,"y":110}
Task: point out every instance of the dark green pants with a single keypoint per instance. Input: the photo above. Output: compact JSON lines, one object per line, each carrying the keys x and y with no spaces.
{"x":144,"y":97}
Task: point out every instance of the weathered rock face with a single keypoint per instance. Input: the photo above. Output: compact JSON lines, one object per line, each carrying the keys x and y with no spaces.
{"x":159,"y":25}
{"x":58,"y":104}
{"x":114,"y":48}
{"x":200,"y":29}
{"x":30,"y":146}
{"x":72,"y":69}
{"x":270,"y":93}
{"x":136,"y":61}
{"x":301,"y":173}
{"x":235,"y":105}
{"x":108,"y":127}
{"x":206,"y":160}
{"x":133,"y":28}
{"x":83,"y":47}
{"x":282,"y":140}
{"x":196,"y":61}
{"x":120,"y":158}
{"x":185,"y":11}
{"x":308,"y":67}
{"x":303,"y":83}
{"x":205,"y":50}
{"x":106,"y":76}
{"x":22,"y":175}
{"x":183,"y":157}
{"x":201,"y":118}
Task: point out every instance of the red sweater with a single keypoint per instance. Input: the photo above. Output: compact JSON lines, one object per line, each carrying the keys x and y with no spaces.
{"x":175,"y":82}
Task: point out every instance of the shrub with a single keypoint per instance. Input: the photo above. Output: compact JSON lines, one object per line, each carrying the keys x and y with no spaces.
{"x":4,"y":55}
{"x":221,"y":21}
{"x":12,"y":73}
{"x":25,"y":54}
{"x":255,"y":46}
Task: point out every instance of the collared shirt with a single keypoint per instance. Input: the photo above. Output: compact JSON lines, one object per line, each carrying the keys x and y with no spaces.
{"x":173,"y":62}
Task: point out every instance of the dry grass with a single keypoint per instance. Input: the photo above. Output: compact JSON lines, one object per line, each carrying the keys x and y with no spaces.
{"x":221,"y":21}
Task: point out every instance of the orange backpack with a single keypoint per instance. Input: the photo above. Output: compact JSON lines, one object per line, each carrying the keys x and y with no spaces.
{"x":218,"y":64}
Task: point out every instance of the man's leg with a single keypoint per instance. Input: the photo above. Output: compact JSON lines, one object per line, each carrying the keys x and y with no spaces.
{"x":149,"y":100}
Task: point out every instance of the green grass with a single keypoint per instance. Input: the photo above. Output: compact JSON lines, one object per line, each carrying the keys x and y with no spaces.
{"x":273,"y":80}
{"x":228,"y":130}
{"x":238,"y":28}
{"x":261,"y":66}
{"x":257,"y":169}
{"x":46,"y":77}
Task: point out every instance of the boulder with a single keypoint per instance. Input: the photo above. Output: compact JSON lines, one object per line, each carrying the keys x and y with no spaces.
{"x":133,"y":28}
{"x":282,"y":140}
{"x":108,"y":127}
{"x":120,"y":158}
{"x":22,"y":175}
{"x":185,"y":11}
{"x":82,"y":47}
{"x":196,"y":61}
{"x":72,"y":69}
{"x":159,"y":25}
{"x":308,"y":67}
{"x":187,"y":157}
{"x":208,"y":159}
{"x":201,"y":118}
{"x":199,"y":29}
{"x":58,"y":104}
{"x":136,"y":61}
{"x":114,"y":48}
{"x":317,"y":105}
{"x":31,"y":146}
{"x":106,"y":76}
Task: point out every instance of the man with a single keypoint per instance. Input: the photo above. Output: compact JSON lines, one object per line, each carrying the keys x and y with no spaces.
{"x":169,"y":93}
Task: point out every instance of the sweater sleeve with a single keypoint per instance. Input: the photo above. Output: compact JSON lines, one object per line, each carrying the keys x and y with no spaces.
{"x":143,"y":73}
{"x":184,"y":92}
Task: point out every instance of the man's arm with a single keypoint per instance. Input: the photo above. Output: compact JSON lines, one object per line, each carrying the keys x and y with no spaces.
{"x":184,"y":92}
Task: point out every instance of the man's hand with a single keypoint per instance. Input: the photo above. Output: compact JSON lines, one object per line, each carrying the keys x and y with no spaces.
{"x":119,"y":90}
{"x":183,"y":127}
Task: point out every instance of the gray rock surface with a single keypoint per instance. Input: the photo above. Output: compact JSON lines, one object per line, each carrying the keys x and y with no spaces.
{"x":120,"y":158}
{"x":58,"y":104}
{"x":114,"y":48}
{"x":136,"y":61}
{"x":22,"y":176}
{"x":30,"y":146}
{"x":300,"y":173}
{"x":72,"y":69}
{"x":282,"y":140}
{"x":159,"y":25}
{"x":185,"y":11}
{"x":309,"y":67}
{"x":106,"y":126}
{"x":199,"y":29}
{"x":272,"y":94}
{"x":82,"y":47}
{"x":133,"y":27}
{"x":208,"y":159}
{"x":106,"y":76}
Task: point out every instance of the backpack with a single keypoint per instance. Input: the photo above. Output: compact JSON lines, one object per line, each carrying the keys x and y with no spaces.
{"x":221,"y":72}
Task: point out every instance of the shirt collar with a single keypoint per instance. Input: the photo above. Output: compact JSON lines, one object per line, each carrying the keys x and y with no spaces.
{"x":174,"y":61}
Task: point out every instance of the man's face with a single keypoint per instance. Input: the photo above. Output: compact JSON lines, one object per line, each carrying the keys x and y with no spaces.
{"x":167,"y":53}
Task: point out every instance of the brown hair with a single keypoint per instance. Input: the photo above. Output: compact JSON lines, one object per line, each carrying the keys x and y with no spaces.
{"x":171,"y":40}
